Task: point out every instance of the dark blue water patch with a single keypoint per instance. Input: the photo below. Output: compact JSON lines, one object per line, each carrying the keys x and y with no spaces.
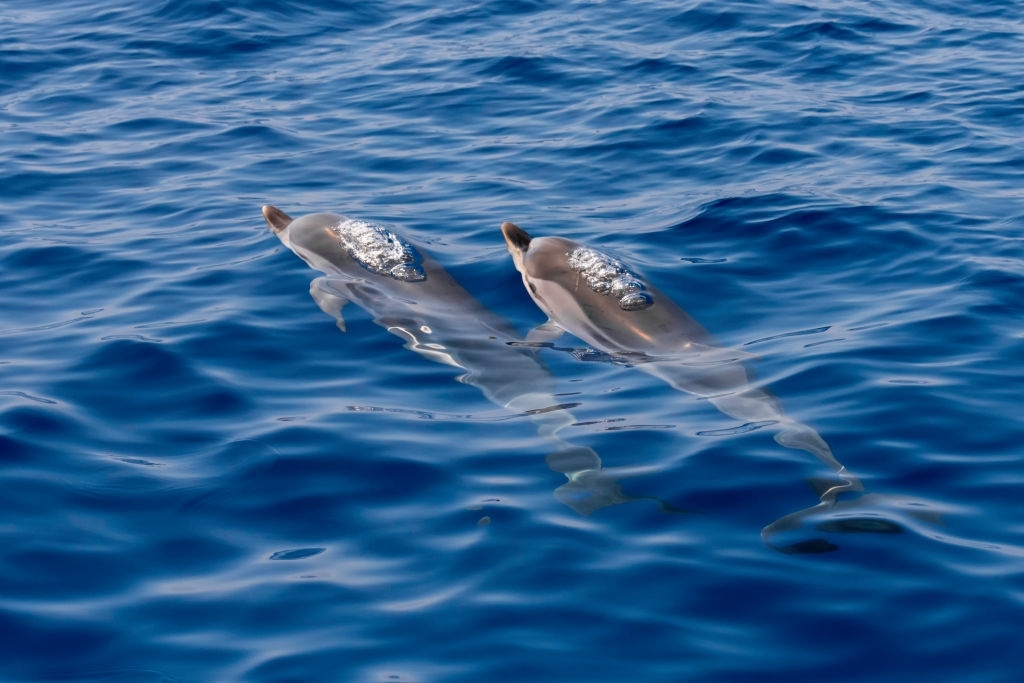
{"x":692,"y":125}
{"x":14,"y":449}
{"x":25,"y":65}
{"x":64,"y":259}
{"x":996,"y":10}
{"x":213,"y":30}
{"x":44,"y":420}
{"x":829,"y":239}
{"x":145,"y":379}
{"x":198,"y":11}
{"x":62,"y":102}
{"x":203,"y":44}
{"x":664,"y":67}
{"x":818,"y":31}
{"x":344,"y":474}
{"x":34,"y":436}
{"x":42,"y":571}
{"x":706,"y":20}
{"x":524,"y":70}
{"x":82,"y":642}
{"x":158,"y":128}
{"x":778,"y":156}
{"x":231,"y":344}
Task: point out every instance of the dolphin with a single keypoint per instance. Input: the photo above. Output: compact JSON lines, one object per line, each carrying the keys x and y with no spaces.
{"x":412,"y":296}
{"x":603,"y":302}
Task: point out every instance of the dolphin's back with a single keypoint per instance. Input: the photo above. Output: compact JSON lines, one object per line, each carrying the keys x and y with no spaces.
{"x":378,"y":270}
{"x":593,"y":310}
{"x":412,"y":296}
{"x":600,"y":300}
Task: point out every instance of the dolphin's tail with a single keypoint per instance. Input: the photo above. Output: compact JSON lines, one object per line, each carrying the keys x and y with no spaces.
{"x":802,"y":437}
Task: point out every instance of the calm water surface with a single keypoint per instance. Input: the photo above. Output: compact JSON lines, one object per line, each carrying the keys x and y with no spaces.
{"x":204,"y":479}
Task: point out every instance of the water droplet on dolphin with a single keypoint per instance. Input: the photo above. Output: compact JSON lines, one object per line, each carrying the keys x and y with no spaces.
{"x":635,"y":301}
{"x":379,"y":250}
{"x":609,"y":276}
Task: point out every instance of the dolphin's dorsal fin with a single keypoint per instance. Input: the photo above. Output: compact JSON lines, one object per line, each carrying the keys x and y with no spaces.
{"x":277,"y":219}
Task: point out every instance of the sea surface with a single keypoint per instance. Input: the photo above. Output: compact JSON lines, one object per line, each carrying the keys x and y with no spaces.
{"x":202,"y":478}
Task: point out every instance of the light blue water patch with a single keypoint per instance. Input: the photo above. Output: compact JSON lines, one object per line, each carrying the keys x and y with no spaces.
{"x":205,"y":479}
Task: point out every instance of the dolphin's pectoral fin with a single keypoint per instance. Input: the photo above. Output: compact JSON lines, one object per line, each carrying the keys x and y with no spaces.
{"x":590,"y":487}
{"x":545,"y":333}
{"x":590,"y":490}
{"x":329,"y":298}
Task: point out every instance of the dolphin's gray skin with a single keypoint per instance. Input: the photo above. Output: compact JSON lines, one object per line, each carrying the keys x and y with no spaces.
{"x":598,"y":299}
{"x":412,"y":296}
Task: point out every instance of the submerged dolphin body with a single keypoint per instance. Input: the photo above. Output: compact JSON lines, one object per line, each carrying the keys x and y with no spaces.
{"x":413,"y":297}
{"x":598,"y":299}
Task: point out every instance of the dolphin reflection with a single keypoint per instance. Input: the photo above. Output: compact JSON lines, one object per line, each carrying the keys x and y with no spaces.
{"x":413,"y":297}
{"x":600,"y":300}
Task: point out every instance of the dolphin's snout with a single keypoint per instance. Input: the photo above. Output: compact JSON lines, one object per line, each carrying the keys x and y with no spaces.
{"x":515,"y":236}
{"x":277,"y":219}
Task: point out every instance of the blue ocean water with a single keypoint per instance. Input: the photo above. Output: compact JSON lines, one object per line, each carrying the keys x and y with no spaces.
{"x":204,"y":479}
